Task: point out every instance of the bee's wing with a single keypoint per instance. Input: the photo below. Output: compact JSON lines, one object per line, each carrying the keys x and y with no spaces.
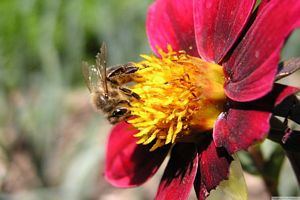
{"x":101,"y":66}
{"x":92,"y":76}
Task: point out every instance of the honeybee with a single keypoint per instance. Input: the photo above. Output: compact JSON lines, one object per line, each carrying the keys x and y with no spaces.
{"x":106,"y":86}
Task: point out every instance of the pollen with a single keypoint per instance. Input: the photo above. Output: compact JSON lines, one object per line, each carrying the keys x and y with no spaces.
{"x":181,"y":95}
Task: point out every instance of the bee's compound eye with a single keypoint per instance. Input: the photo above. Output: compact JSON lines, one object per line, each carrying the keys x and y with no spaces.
{"x":119,"y":112}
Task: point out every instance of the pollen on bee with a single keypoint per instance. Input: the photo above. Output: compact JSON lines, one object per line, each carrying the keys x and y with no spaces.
{"x":180,"y":95}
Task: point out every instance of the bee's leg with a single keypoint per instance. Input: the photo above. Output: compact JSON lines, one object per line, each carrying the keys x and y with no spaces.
{"x":121,"y":74}
{"x":119,"y":70}
{"x":129,"y":92}
{"x":123,"y":101}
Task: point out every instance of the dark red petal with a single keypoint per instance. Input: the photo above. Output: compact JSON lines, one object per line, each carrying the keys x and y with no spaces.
{"x":245,"y":123}
{"x":180,"y":173}
{"x":256,"y":84}
{"x":252,"y":67}
{"x":282,"y":92}
{"x":289,"y":107}
{"x":218,"y":25}
{"x":171,"y":22}
{"x":238,"y":129}
{"x":213,"y":168}
{"x":288,"y":138}
{"x":128,"y":164}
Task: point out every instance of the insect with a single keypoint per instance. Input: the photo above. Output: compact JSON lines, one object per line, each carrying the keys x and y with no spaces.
{"x":106,"y":86}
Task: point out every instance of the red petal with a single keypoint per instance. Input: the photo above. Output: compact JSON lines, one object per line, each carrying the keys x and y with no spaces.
{"x":245,"y":123}
{"x":128,"y":164}
{"x":256,"y":84}
{"x":289,"y":107}
{"x":171,"y":22}
{"x":218,"y":24}
{"x":180,"y":173}
{"x":253,"y":64}
{"x":283,"y":92}
{"x":238,"y":129}
{"x":213,"y":168}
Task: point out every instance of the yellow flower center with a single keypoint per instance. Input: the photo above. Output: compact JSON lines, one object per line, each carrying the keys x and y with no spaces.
{"x":180,"y":95}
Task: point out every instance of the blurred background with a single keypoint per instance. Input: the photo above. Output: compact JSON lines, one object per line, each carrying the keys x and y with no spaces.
{"x":52,"y":143}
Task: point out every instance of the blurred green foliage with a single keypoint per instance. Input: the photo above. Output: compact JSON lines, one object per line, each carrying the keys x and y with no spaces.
{"x":48,"y":133}
{"x":51,"y":142}
{"x":50,"y":38}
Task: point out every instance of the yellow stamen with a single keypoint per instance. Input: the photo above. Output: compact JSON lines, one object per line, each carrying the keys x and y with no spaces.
{"x":180,"y":95}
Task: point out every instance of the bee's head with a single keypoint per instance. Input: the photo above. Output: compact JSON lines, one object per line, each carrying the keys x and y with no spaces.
{"x":102,"y":102}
